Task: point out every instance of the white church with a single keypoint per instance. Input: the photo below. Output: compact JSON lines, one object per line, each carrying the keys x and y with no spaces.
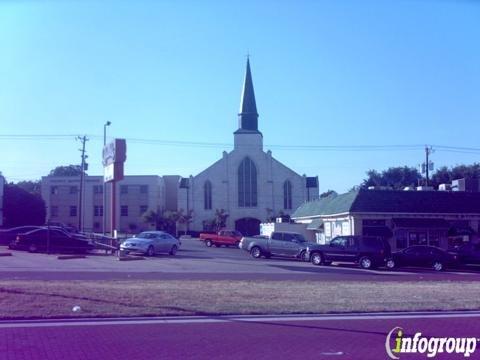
{"x":247,"y":183}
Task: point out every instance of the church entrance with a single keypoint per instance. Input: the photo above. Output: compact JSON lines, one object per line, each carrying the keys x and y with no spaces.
{"x":248,"y":226}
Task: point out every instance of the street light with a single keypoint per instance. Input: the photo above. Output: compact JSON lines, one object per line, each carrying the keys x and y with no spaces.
{"x":104,"y":210}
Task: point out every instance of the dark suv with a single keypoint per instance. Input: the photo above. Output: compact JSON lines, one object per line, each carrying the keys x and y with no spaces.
{"x":367,"y":251}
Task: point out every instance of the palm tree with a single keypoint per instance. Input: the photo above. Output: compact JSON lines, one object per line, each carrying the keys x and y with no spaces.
{"x":220,"y":218}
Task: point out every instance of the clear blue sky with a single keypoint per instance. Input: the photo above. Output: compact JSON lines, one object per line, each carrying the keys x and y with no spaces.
{"x":325,"y":73}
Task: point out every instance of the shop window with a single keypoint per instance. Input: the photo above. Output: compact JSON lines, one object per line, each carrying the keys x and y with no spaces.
{"x":401,"y":239}
{"x":73,"y":210}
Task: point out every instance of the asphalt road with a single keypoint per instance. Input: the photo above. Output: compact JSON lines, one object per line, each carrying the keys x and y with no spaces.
{"x":351,"y":336}
{"x":196,"y":261}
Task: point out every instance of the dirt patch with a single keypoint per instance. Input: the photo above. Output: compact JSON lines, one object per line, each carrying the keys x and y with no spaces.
{"x":51,"y":299}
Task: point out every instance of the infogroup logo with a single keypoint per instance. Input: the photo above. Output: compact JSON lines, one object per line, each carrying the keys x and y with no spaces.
{"x":397,"y":343}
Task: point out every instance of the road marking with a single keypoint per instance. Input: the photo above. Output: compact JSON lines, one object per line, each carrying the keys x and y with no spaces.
{"x":241,"y":318}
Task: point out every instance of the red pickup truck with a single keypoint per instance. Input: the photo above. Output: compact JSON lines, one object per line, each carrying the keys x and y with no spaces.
{"x":224,"y":237}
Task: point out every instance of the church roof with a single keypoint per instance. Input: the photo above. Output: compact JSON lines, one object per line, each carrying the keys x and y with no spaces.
{"x":248,"y":116}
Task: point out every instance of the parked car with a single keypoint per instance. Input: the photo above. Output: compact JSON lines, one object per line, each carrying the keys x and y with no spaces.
{"x":367,"y":251}
{"x":223,"y":237}
{"x":468,"y":253}
{"x":53,"y":239}
{"x":424,"y":256}
{"x":67,"y":228}
{"x":9,"y":235}
{"x":284,"y":244}
{"x":151,"y":243}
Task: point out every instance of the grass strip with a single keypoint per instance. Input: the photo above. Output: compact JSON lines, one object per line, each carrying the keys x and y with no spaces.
{"x":56,"y":299}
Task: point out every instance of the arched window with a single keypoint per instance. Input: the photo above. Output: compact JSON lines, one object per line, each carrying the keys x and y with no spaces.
{"x":247,"y":183}
{"x":207,"y":195}
{"x":287,"y":195}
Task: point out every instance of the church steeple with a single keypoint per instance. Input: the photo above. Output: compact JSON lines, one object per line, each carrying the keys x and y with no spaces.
{"x":248,"y":116}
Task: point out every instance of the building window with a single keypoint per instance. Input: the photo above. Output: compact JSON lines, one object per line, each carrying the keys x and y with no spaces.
{"x":434,"y":238}
{"x":124,"y":210}
{"x":417,"y":238}
{"x":53,"y":190}
{"x":247,"y":183}
{"x":401,"y":238}
{"x":143,"y":209}
{"x":54,"y":211}
{"x":98,"y":189}
{"x":73,"y":210}
{"x":96,"y":225}
{"x":143,"y":189}
{"x":73,"y":190}
{"x":287,"y":195}
{"x":124,"y":189}
{"x":207,"y":195}
{"x":98,"y":210}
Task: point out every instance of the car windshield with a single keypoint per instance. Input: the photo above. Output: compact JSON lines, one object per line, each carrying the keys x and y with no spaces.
{"x":146,"y":235}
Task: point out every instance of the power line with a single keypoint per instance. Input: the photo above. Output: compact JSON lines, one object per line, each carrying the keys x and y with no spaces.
{"x":199,"y":144}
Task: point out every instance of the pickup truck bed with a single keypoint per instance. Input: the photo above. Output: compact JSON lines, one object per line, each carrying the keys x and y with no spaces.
{"x":282,"y":244}
{"x":223,"y":237}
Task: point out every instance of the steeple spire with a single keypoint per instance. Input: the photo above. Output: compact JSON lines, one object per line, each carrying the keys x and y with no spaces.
{"x":248,"y":116}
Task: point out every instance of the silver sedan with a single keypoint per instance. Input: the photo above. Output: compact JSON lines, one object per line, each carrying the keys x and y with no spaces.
{"x":151,"y":243}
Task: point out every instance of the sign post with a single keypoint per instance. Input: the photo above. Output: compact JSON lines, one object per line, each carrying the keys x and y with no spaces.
{"x":114,"y":156}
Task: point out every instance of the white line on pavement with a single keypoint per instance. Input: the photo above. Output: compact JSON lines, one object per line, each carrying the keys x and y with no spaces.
{"x":246,"y":318}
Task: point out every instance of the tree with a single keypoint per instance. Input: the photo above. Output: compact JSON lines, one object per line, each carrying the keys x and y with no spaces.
{"x":184,"y":219}
{"x":164,"y":221}
{"x":328,"y":193}
{"x":22,"y":208}
{"x":394,"y":177}
{"x":221,"y":217}
{"x":69,"y":170}
{"x":33,"y":187}
{"x":445,"y":175}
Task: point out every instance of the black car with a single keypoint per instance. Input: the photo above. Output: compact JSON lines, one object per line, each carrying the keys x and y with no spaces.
{"x":53,"y":239}
{"x":468,"y":253}
{"x":424,"y":256}
{"x":367,"y":251}
{"x":9,"y":235}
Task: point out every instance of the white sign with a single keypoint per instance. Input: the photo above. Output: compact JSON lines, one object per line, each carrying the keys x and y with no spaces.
{"x":109,"y":173}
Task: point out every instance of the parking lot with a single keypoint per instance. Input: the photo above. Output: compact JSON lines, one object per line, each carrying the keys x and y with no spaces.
{"x":196,"y":261}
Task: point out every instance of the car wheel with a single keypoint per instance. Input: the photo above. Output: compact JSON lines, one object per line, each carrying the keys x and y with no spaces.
{"x":390,"y":264}
{"x":366,"y":263}
{"x":302,"y":256}
{"x":316,"y":259}
{"x":255,"y":252}
{"x":173,"y":250}
{"x":237,"y":244}
{"x":150,"y":251}
{"x":438,"y":266}
{"x":32,"y":248}
{"x":208,"y":243}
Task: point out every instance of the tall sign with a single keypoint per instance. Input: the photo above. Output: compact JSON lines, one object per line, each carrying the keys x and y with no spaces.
{"x":114,"y":156}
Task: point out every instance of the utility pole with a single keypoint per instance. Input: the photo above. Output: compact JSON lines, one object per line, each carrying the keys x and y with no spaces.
{"x":428,"y":165}
{"x":83,"y":139}
{"x":104,"y":210}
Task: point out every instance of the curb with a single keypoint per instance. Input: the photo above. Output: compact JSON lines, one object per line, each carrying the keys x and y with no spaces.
{"x":68,"y":257}
{"x":130,"y":258}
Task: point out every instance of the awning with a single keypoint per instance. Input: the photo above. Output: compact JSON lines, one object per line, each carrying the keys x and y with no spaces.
{"x":316,"y":224}
{"x":381,"y":231}
{"x":421,"y":223}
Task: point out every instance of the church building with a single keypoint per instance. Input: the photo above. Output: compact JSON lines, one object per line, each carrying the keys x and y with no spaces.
{"x":247,"y":183}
